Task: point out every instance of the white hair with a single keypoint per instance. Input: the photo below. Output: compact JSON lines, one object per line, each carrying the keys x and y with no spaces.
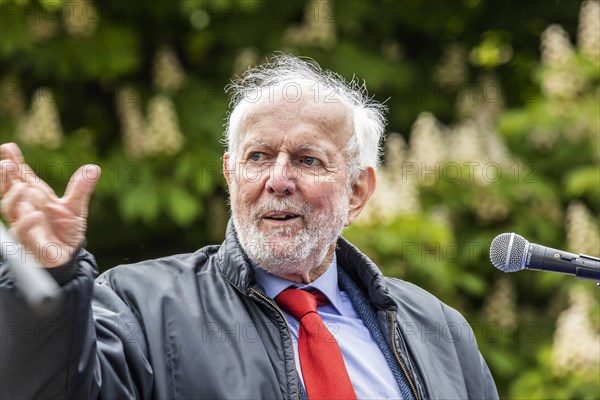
{"x":368,"y":120}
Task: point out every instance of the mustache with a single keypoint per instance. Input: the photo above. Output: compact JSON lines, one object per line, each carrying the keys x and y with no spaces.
{"x":285,"y":204}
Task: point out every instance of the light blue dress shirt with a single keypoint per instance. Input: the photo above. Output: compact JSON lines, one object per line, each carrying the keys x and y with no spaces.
{"x":368,"y":370}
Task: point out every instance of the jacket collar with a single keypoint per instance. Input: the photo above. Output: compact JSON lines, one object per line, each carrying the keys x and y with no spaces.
{"x":233,"y":261}
{"x":237,"y":268}
{"x":365,"y":273}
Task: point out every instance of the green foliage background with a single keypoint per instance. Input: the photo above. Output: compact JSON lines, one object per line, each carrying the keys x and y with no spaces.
{"x":417,"y":56}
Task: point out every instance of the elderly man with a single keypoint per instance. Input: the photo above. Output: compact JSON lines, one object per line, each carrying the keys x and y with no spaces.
{"x":284,"y":308}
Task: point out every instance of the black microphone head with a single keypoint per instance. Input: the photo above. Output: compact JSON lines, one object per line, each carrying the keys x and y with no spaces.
{"x":507,"y":252}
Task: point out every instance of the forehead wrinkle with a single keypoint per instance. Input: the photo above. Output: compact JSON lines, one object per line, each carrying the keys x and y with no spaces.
{"x":255,"y":143}
{"x":311,"y":147}
{"x":308,"y":146}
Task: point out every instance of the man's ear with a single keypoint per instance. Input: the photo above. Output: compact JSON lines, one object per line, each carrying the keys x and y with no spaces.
{"x":226,"y":170}
{"x":362,"y":190}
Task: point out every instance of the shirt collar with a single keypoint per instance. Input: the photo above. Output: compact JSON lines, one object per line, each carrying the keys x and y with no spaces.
{"x":327,"y":284}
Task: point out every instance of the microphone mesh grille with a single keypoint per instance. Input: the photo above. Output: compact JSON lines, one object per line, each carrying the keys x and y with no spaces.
{"x":507,"y":256}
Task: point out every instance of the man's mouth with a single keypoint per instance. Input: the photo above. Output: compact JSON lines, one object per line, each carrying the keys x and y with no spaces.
{"x":280,"y":216}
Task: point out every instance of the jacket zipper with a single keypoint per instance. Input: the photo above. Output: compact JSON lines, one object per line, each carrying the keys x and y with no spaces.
{"x":402,"y":365}
{"x":276,"y":307}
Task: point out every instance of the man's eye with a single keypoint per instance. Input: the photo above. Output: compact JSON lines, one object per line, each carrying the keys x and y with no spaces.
{"x":255,"y":156}
{"x":310,"y":161}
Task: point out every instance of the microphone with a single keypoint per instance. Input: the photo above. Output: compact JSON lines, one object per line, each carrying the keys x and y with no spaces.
{"x":40,"y":290}
{"x":510,"y":252}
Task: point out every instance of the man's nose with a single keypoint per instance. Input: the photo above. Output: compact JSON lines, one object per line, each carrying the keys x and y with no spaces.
{"x":283,"y":176}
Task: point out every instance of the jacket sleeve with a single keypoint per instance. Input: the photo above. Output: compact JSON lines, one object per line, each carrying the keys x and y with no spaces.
{"x":478,"y":378}
{"x":77,"y":353}
{"x":489,"y":386}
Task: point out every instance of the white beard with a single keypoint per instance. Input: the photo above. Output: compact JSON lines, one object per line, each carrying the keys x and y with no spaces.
{"x":301,"y":252}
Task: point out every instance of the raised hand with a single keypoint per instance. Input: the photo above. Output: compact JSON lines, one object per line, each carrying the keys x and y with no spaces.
{"x":48,"y":226}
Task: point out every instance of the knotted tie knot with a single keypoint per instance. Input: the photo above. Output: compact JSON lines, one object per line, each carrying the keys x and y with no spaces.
{"x":300,"y":302}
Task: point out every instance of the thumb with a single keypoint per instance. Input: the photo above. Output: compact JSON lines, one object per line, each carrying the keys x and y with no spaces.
{"x":80,"y":188}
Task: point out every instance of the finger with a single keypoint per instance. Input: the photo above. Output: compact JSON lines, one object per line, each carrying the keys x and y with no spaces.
{"x":13,"y":166}
{"x":67,"y":227}
{"x":32,"y":232}
{"x":10,"y":151}
{"x":35,"y":232}
{"x":7,"y":204}
{"x":20,"y":194}
{"x":80,"y":188}
{"x":9,"y":172}
{"x":25,"y":229}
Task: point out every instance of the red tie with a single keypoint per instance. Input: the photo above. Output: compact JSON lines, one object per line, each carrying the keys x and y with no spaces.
{"x":323,"y":368}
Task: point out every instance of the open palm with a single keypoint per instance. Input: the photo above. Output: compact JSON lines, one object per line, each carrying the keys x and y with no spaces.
{"x":48,"y":226}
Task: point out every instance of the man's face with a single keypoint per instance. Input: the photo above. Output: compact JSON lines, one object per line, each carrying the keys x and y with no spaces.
{"x":289,"y":189}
